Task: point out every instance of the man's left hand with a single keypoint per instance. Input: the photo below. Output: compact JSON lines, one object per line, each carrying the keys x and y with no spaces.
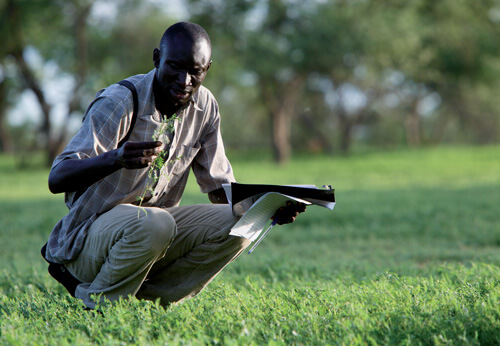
{"x":289,"y":213}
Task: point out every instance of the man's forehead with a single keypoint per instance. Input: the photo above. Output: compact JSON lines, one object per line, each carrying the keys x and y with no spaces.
{"x":181,"y":39}
{"x":180,"y":45}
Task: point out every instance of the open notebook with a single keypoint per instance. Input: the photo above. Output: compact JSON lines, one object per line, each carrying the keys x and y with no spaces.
{"x":258,"y":203}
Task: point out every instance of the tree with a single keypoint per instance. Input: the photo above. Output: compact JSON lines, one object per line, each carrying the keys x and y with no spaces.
{"x":449,"y":48}
{"x":94,"y":54}
{"x":6,"y":141}
{"x":281,"y":49}
{"x":22,"y":23}
{"x":301,"y":72}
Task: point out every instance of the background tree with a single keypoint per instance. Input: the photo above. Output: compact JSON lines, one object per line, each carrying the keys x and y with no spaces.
{"x":445,"y":50}
{"x":310,"y":76}
{"x":91,"y":53}
{"x":39,"y":24}
{"x":285,"y":45}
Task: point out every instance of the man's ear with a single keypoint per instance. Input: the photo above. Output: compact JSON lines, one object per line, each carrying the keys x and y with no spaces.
{"x":156,"y":57}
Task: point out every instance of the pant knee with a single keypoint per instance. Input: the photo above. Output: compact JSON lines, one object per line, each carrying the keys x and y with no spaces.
{"x":157,"y":229}
{"x":225,"y":217}
{"x":227,"y":221}
{"x":220,"y":226}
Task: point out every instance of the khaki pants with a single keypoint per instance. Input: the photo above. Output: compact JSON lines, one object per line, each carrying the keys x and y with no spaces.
{"x":170,"y":254}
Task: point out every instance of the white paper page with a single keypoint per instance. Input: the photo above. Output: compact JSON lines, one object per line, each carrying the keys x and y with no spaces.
{"x":228,"y":191}
{"x":255,"y":219}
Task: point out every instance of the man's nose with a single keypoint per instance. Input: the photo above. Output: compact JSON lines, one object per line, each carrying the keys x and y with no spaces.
{"x":184,"y":78}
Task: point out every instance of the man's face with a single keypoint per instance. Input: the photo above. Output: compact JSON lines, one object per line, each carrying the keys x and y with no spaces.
{"x":181,"y":68}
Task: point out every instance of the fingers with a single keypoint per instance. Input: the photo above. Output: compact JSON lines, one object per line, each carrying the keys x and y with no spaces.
{"x":135,"y":155}
{"x":146,"y":153}
{"x":296,"y":207}
{"x":289,"y":213}
{"x":143,"y":145}
{"x":300,"y":207}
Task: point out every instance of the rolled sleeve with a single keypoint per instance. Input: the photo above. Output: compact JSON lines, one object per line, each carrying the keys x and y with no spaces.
{"x":211,"y":166}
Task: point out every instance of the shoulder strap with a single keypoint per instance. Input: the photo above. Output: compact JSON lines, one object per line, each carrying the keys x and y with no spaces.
{"x":132,"y":89}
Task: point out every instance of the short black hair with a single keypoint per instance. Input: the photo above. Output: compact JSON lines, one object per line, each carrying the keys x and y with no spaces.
{"x":191,"y":31}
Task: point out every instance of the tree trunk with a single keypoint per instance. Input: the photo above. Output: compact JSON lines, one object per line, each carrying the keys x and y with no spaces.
{"x":16,"y":49}
{"x":81,"y":52}
{"x":281,"y":136}
{"x":412,"y":126}
{"x":52,"y":144}
{"x":33,"y":84}
{"x":345,"y":132}
{"x":6,"y":144}
{"x":283,"y":110}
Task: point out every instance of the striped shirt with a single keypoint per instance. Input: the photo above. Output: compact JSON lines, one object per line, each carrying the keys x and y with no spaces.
{"x":195,"y":143}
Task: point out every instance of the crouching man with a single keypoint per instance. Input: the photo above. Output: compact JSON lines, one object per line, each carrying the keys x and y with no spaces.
{"x":108,"y":244}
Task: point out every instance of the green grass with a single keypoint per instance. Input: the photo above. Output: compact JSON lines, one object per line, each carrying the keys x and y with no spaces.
{"x":410,"y":255}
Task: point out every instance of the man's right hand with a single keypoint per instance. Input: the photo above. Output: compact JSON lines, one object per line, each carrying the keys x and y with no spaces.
{"x":77,"y":174}
{"x":135,"y":155}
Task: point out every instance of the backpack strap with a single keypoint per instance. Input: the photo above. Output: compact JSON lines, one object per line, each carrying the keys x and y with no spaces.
{"x":133,"y":90}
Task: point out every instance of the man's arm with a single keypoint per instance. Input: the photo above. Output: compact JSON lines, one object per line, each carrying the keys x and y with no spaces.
{"x":77,"y":174}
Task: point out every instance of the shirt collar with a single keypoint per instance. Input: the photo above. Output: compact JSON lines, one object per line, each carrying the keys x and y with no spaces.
{"x":195,"y":104}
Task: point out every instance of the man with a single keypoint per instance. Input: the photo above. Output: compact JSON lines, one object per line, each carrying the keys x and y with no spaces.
{"x":108,"y":245}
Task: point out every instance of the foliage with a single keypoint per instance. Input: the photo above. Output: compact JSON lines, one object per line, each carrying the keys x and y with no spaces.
{"x":317,"y":76}
{"x":163,"y":134}
{"x":408,"y":256}
{"x":381,"y":72}
{"x":65,"y":42}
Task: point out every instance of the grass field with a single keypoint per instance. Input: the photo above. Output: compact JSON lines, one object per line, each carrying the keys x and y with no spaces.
{"x":410,"y":255}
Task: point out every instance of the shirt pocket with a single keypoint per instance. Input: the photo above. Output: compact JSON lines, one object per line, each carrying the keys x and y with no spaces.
{"x":144,"y":128}
{"x":182,"y":159}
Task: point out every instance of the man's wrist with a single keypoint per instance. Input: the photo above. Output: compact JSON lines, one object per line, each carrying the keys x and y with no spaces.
{"x":218,"y":196}
{"x":114,"y":159}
